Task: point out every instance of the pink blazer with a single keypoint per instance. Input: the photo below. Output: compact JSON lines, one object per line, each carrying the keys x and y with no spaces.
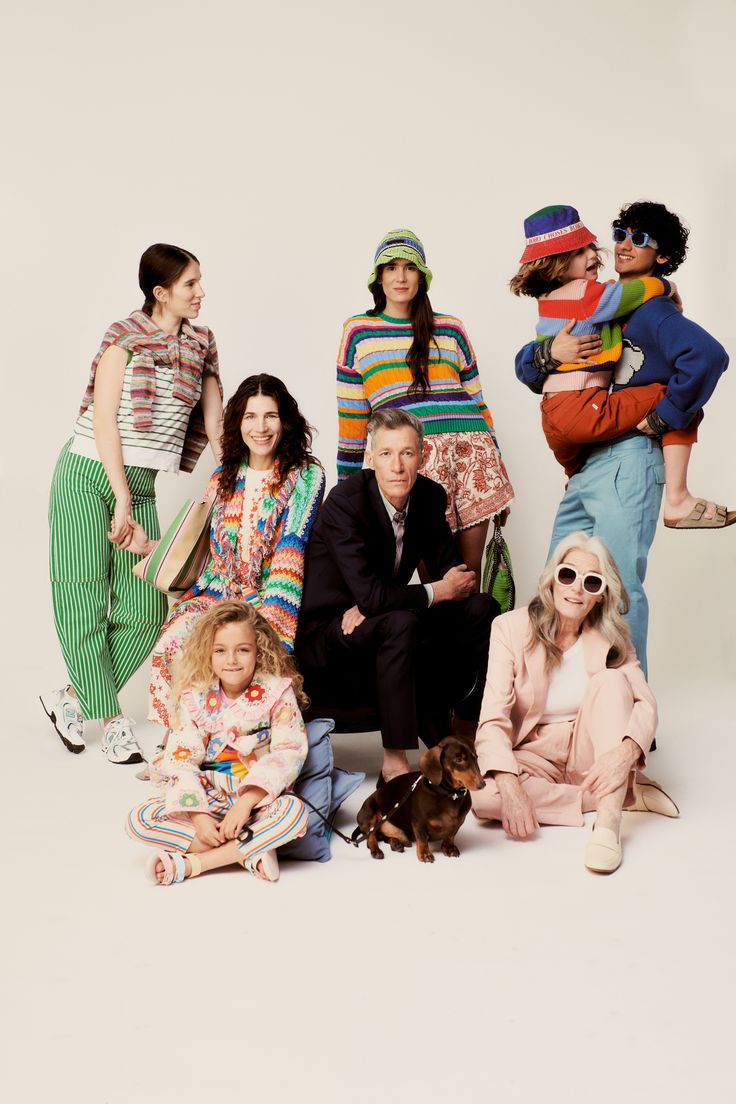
{"x":517,"y":686}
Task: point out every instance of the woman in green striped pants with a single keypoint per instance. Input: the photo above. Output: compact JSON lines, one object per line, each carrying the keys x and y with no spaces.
{"x":152,"y":402}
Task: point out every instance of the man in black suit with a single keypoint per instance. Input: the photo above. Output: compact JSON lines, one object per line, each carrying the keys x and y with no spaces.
{"x":417,"y":649}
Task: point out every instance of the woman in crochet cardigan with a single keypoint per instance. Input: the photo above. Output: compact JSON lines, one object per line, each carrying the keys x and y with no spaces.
{"x":265,"y":496}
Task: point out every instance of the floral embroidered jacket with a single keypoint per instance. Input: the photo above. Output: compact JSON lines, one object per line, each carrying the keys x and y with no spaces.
{"x":263,"y":730}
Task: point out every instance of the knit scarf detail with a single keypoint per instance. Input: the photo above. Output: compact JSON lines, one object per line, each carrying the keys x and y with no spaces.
{"x":184,"y":353}
{"x":227,"y":562}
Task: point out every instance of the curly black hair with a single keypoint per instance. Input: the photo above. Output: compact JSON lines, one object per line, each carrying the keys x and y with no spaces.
{"x":664,"y":226}
{"x":296,"y":433}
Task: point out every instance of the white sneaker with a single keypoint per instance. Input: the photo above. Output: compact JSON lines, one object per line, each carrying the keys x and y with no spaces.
{"x":118,"y":742}
{"x":65,"y":715}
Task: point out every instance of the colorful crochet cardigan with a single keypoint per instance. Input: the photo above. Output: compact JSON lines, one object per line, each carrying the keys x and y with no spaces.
{"x":596,"y":308}
{"x":372,"y":373}
{"x":192,"y":354}
{"x":272,"y":578}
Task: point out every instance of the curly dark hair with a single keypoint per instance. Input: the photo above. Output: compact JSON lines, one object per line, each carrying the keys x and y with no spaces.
{"x":664,"y":226}
{"x":296,"y":437}
{"x":421,"y":317}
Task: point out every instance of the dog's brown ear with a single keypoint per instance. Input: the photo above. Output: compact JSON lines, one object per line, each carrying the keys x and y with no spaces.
{"x":430,"y":765}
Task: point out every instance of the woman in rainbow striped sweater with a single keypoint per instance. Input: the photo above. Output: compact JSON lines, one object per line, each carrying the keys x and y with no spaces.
{"x":401,"y":353}
{"x":265,"y":496}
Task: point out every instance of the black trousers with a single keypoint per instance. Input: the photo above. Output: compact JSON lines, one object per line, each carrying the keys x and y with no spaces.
{"x":415,"y":665}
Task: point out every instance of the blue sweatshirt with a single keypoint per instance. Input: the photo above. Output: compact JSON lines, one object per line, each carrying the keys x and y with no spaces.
{"x":660,"y":346}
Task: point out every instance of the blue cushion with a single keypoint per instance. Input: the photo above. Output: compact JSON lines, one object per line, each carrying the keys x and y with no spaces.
{"x":344,"y":783}
{"x":314,"y":783}
{"x":326,"y":786}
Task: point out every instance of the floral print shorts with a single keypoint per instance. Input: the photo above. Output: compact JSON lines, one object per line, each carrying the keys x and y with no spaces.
{"x":470,"y":468}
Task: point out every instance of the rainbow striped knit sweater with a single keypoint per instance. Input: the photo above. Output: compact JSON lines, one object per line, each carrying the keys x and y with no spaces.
{"x":596,"y":308}
{"x":372,"y":372}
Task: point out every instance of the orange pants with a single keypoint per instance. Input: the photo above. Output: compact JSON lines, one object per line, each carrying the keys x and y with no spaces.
{"x":572,"y":420}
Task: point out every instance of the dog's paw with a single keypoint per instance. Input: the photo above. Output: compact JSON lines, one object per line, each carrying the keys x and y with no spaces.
{"x":450,"y":850}
{"x":396,"y":845}
{"x":425,"y":856}
{"x":377,"y":854}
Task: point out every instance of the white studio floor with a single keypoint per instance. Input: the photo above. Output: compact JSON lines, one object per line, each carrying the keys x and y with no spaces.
{"x":511,"y":973}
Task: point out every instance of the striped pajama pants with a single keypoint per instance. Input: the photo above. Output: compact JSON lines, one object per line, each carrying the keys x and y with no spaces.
{"x":107,"y":620}
{"x":283,"y":820}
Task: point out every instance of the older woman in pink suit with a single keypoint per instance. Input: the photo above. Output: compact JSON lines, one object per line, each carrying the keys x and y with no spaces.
{"x":567,"y":716}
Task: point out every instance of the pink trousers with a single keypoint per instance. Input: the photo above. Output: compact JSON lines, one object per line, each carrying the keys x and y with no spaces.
{"x":554,"y":758}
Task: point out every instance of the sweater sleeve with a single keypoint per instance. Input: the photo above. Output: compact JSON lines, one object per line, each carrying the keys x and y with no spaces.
{"x":177,"y":768}
{"x":279,"y":768}
{"x":595,"y":302}
{"x":353,"y":408}
{"x":698,"y":362}
{"x":526,"y":371}
{"x":470,"y":378}
{"x":282,"y":597}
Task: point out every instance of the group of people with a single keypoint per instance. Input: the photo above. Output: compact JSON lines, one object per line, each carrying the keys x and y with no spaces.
{"x":300,"y":598}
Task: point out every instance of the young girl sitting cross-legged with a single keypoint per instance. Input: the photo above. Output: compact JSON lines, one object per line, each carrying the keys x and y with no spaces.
{"x":559,"y":268}
{"x":238,"y":743}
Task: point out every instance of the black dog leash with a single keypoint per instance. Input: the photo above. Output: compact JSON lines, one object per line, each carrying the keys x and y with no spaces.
{"x":358,"y":837}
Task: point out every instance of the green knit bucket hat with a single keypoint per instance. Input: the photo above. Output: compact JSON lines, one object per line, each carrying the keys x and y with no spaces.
{"x":402,"y":245}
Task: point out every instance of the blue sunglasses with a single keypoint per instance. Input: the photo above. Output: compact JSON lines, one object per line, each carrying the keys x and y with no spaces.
{"x":639,"y":238}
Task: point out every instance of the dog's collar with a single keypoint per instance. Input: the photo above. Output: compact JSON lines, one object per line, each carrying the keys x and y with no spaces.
{"x":448,"y":791}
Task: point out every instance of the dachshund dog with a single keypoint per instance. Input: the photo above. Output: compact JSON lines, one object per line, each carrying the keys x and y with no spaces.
{"x":436,"y":807}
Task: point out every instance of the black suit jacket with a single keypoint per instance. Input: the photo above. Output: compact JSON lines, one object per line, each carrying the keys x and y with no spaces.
{"x":351,"y":551}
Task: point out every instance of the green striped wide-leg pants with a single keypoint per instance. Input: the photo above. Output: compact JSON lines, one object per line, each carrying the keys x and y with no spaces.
{"x":107,"y":620}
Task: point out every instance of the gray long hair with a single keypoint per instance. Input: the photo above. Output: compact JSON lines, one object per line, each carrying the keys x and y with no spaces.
{"x":607,"y":616}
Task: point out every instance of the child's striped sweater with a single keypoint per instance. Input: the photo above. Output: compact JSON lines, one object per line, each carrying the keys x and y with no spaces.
{"x":372,"y":372}
{"x":595,"y":308}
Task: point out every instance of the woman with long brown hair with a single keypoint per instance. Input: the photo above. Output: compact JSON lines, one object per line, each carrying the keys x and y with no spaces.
{"x":152,"y":402}
{"x":265,"y":496}
{"x":402,"y":353}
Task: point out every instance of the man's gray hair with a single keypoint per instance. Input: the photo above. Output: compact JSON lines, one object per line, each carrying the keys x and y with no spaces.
{"x":393,"y":417}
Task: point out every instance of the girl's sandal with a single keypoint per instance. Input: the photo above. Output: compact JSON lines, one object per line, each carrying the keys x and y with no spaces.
{"x":174,"y":867}
{"x":264,"y":866}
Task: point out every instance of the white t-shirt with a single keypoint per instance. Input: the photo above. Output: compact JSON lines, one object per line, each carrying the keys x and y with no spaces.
{"x":567,"y":686}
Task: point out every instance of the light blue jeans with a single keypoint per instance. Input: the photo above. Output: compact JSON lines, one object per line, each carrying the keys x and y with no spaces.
{"x":616,"y":496}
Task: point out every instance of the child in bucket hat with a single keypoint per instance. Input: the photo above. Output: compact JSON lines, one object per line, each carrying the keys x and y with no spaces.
{"x":401,"y":353}
{"x":559,"y":266}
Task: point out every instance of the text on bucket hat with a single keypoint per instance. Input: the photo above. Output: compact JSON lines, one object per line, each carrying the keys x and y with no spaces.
{"x":553,"y":230}
{"x":402,"y":245}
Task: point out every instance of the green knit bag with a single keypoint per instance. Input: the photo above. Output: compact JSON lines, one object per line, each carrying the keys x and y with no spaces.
{"x":498,"y":575}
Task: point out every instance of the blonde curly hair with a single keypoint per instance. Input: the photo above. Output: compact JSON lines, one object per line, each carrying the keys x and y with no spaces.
{"x":193,"y":667}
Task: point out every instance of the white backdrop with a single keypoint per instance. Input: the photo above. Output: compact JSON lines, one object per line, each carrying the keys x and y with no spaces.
{"x":279,"y":143}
